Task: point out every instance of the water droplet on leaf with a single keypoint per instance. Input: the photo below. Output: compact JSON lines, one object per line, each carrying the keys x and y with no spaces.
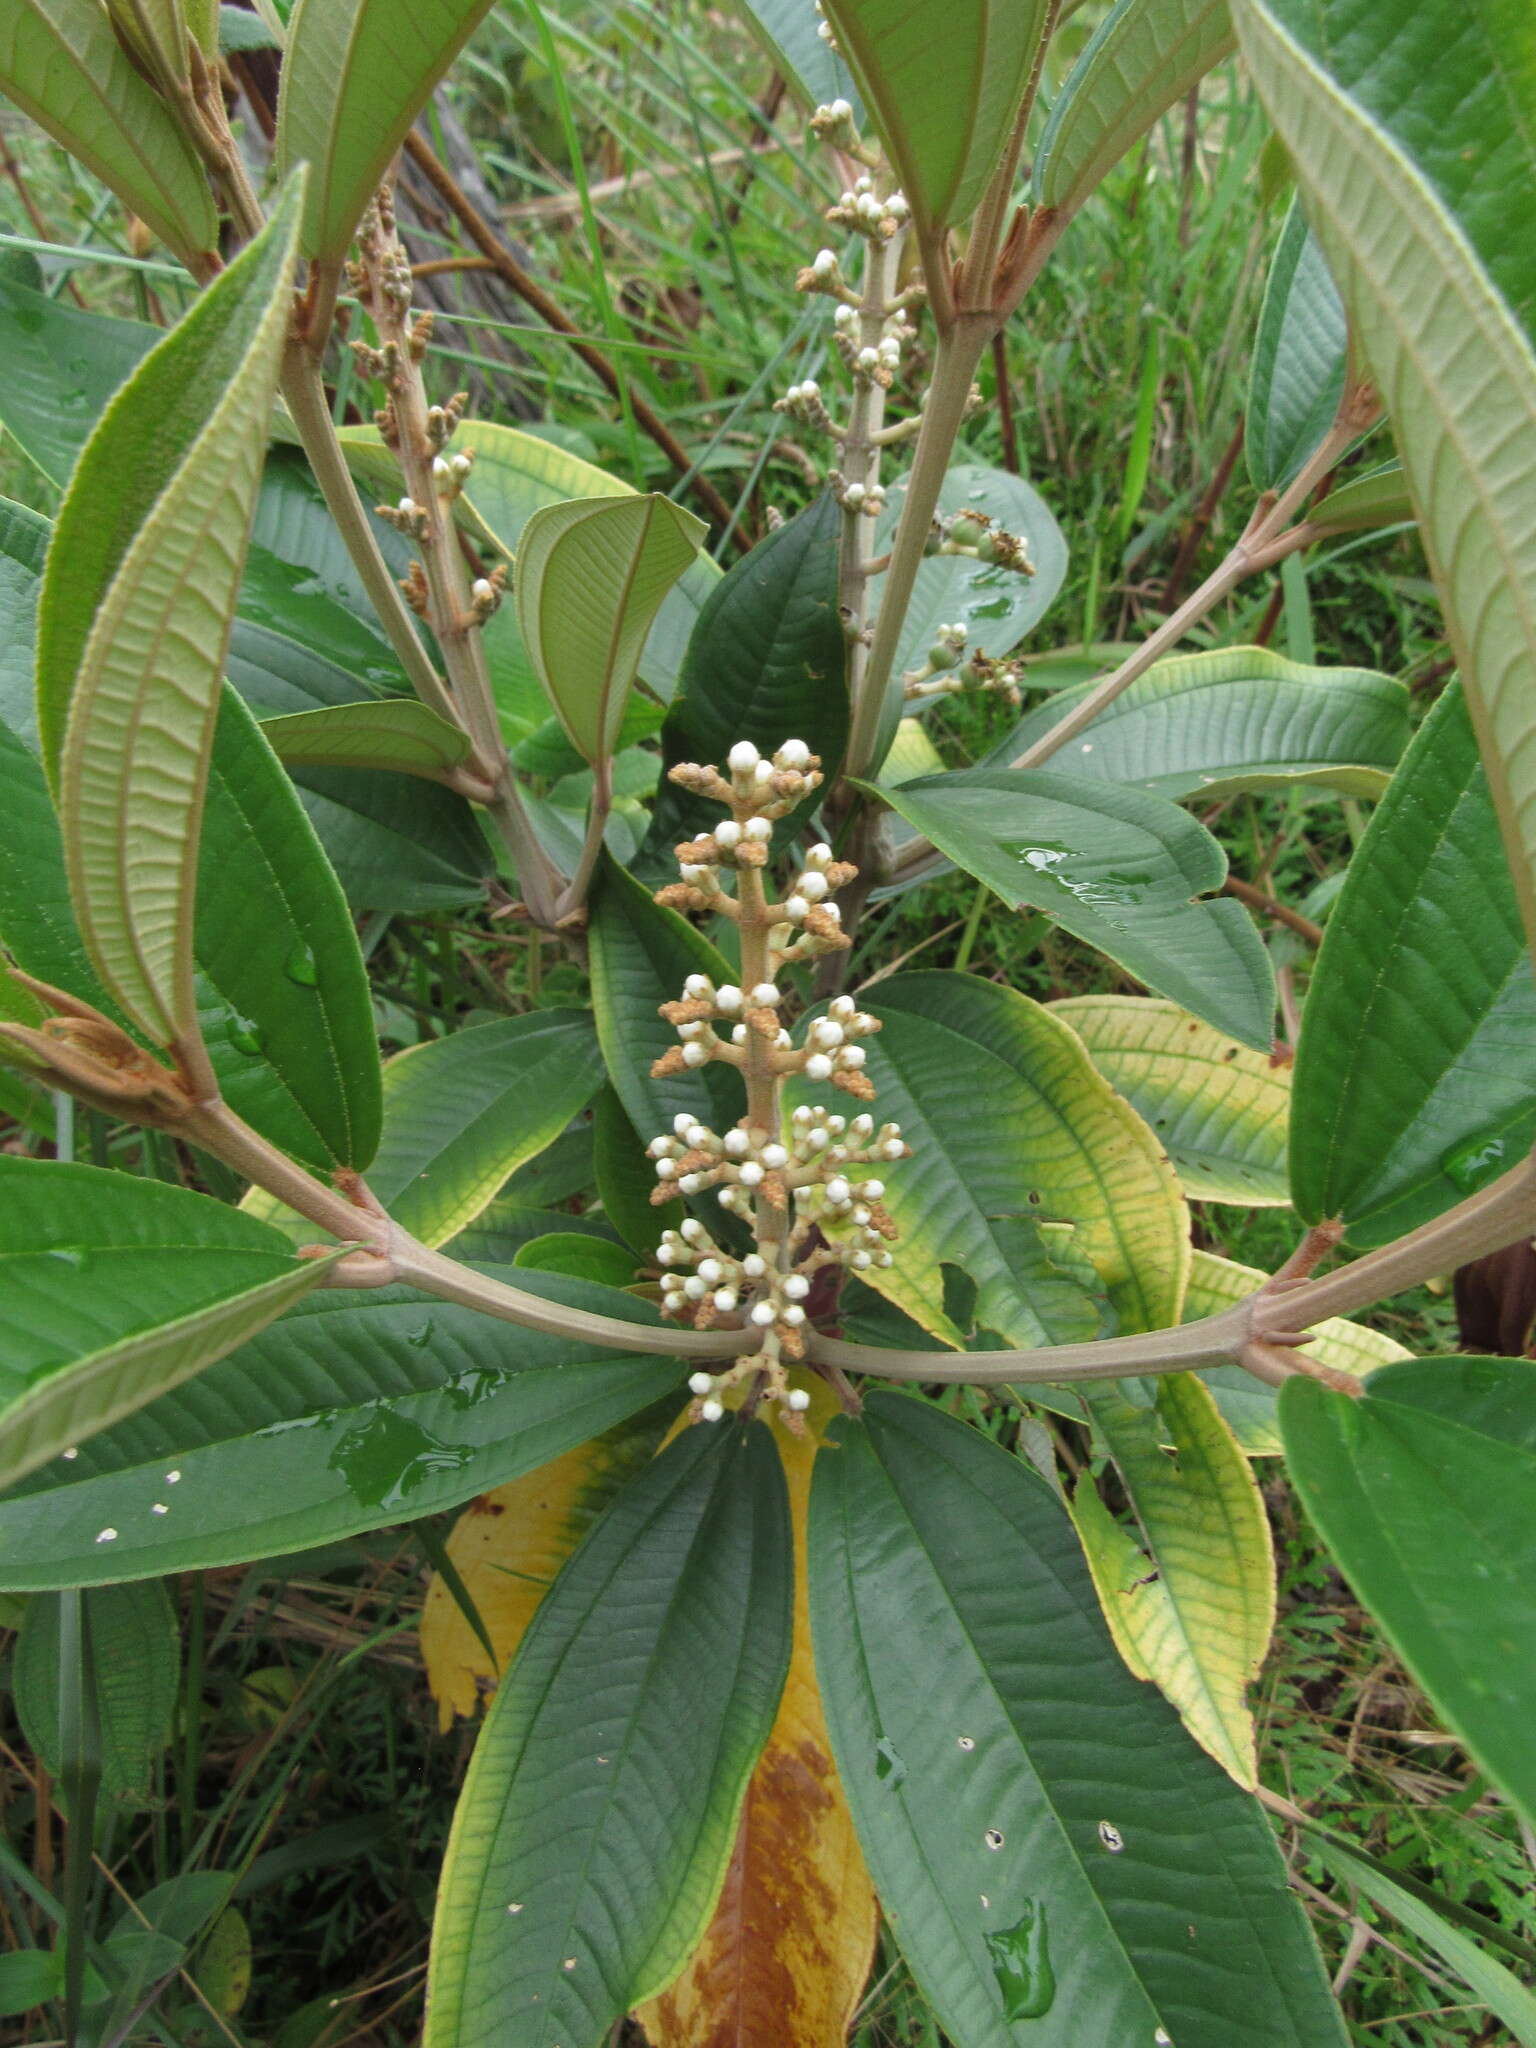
{"x":300,"y":967}
{"x":888,"y":1761}
{"x":1472,"y":1165}
{"x":1021,"y":1963}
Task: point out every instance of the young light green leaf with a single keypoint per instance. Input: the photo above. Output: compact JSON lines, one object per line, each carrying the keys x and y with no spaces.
{"x":1193,"y":1610}
{"x":943,"y":84}
{"x":1485,"y":1976}
{"x":116,"y":1289}
{"x":137,"y":601}
{"x":1116,"y":866}
{"x":590,"y":579}
{"x":1044,"y":1844}
{"x":61,"y":63}
{"x":1300,"y":359}
{"x":1425,"y":1492}
{"x":600,"y":1809}
{"x":1414,"y":1078}
{"x":394,"y":733}
{"x":355,"y":1411}
{"x":1218,"y":1109}
{"x":1144,"y":56}
{"x":1247,"y":1404}
{"x":356,"y":73}
{"x":1378,"y":498}
{"x":1406,"y":142}
{"x":1235,"y":718}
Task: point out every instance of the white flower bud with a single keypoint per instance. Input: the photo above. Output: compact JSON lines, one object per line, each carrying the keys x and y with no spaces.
{"x":796,"y":1287}
{"x":793,"y":1316}
{"x":798,"y":1399}
{"x":765,"y":996}
{"x":794,"y":908}
{"x":692,"y":1229}
{"x":872,"y":1190}
{"x":860,"y":1213}
{"x":866,"y":359}
{"x":728,"y":834}
{"x":694,"y":1288}
{"x":860,"y":1261}
{"x":861,"y":1126}
{"x":795,"y":753}
{"x":762,"y":1314}
{"x":737,"y":1144}
{"x":728,"y":998}
{"x":841,"y":1007}
{"x":826,"y":1034}
{"x":818,"y":1067}
{"x":751,"y":1174}
{"x":742,"y":758}
{"x":840,"y":110}
{"x":758,"y":830}
{"x":666,"y":1169}
{"x":483,"y":591}
{"x":738,"y":1034}
{"x":775,"y":1156}
{"x":853,"y":494}
{"x":694,"y":1054}
{"x":752,"y":1265}
{"x":819,"y":856}
{"x":813,"y":886}
{"x":809,"y":389}
{"x":692,"y":873}
{"x":710,"y":1411}
{"x":823,"y":263}
{"x":782,"y":1041}
{"x":884,"y":1258}
{"x":837,"y":1190}
{"x":696,"y":1136}
{"x":693,"y":1029}
{"x":725,"y":1299}
{"x":664,"y":1254}
{"x":851,"y":1056}
{"x":762,"y":774}
{"x":816,"y":1139}
{"x":710,"y":1270}
{"x":700,"y":1382}
{"x":697,"y":986}
{"x":690,"y":1183}
{"x":893,"y":1148}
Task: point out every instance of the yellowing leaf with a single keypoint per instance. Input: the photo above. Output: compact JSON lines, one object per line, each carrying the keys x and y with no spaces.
{"x":1219,"y":1109}
{"x":785,"y":1957}
{"x":1248,"y":1405}
{"x":507,"y":1547}
{"x":1194,"y":1611}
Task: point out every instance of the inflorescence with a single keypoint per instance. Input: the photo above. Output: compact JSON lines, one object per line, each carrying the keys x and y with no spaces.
{"x":811,"y":1184}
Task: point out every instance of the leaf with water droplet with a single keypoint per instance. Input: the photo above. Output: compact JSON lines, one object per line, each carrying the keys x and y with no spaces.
{"x":1021,"y":1963}
{"x":387,"y":1458}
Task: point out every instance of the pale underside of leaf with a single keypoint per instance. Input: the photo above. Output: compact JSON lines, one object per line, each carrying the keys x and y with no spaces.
{"x":1194,"y":1611}
{"x":1458,"y":375}
{"x":398,"y":734}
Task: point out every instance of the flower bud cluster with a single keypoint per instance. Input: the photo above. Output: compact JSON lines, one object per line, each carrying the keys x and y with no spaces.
{"x":869,"y":362}
{"x":834,"y":124}
{"x":805,"y":404}
{"x":862,"y":210}
{"x":977,"y":535}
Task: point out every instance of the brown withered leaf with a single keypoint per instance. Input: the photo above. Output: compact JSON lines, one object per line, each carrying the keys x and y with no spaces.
{"x":786,"y":1955}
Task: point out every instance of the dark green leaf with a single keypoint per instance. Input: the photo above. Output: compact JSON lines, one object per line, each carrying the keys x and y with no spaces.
{"x":583,"y":1257}
{"x":600,"y":1810}
{"x":626,"y":1177}
{"x":1414,"y":1077}
{"x":641,"y":954}
{"x":1118,"y":867}
{"x":1425,"y":1491}
{"x":355,"y":1411}
{"x":1061,"y":1864}
{"x":399,"y":734}
{"x":61,"y":367}
{"x":1300,"y":357}
{"x":136,"y":1669}
{"x":767,"y":663}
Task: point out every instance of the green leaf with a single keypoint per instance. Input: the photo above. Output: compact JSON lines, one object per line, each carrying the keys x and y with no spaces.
{"x":1489,"y":1981}
{"x":137,"y":598}
{"x":1425,"y":1492}
{"x":1300,"y":359}
{"x":1143,"y":58}
{"x":997,"y":607}
{"x":943,"y":85}
{"x":402,"y":735}
{"x":767,"y":662}
{"x":29,"y":1977}
{"x":1235,"y":718}
{"x":396,"y":843}
{"x":356,"y":73}
{"x":591,"y":575}
{"x":1191,"y":1601}
{"x":600,"y":1809}
{"x":136,"y":1668}
{"x":515,"y":474}
{"x":810,"y":67}
{"x":1379,"y":497}
{"x":1057,"y":1145}
{"x":1116,"y":866}
{"x":626,"y":1177}
{"x":61,"y":63}
{"x":463,"y":1113}
{"x":640,"y":955}
{"x":116,"y":1289}
{"x":582,"y":1256}
{"x":1217,"y":1108}
{"x":238,"y":31}
{"x":1045,"y":1841}
{"x":1414,"y":1072}
{"x":61,"y":367}
{"x":357,"y":1410}
{"x":1408,"y":143}
{"x":1247,"y":1404}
